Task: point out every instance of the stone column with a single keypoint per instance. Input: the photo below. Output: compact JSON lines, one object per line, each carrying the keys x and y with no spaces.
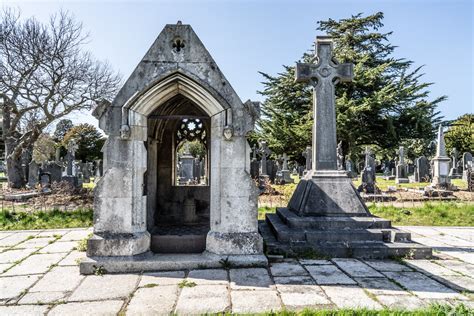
{"x":120,"y":202}
{"x":441,"y":164}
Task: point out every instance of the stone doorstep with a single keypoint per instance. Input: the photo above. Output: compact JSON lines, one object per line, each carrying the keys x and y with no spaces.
{"x":149,"y":262}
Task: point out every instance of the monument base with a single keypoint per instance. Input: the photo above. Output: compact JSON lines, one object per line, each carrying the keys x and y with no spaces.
{"x":149,"y":262}
{"x":327,"y":217}
{"x":327,"y":193}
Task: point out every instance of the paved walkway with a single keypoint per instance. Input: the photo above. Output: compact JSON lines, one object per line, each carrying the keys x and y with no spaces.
{"x":40,"y":275}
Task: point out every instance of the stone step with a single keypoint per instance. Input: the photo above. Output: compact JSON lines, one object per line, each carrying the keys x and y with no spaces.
{"x":331,"y":222}
{"x":281,"y":231}
{"x":347,"y":235}
{"x":368,"y":249}
{"x":284,"y":233}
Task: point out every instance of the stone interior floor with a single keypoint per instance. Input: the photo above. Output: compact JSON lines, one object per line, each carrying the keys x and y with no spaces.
{"x":40,"y":275}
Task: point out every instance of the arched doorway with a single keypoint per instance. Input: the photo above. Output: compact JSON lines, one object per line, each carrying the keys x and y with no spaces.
{"x":178,"y":176}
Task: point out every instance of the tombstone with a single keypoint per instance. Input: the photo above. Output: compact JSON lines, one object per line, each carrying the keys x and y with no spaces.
{"x":326,"y":215}
{"x":139,"y":206}
{"x":254,"y":163}
{"x":33,"y":174}
{"x":98,"y":170}
{"x":264,"y":152}
{"x":285,"y":174}
{"x":272,"y":169}
{"x":54,"y":169}
{"x":45,"y":180}
{"x":340,"y":157}
{"x":71,"y":156}
{"x":186,"y":162}
{"x":440,"y":162}
{"x":368,"y":174}
{"x":197,"y":170}
{"x":422,"y":169}
{"x":401,"y":175}
{"x":350,"y":168}
{"x":454,"y":172}
{"x":264,"y":177}
{"x":307,"y":154}
{"x":467,"y":165}
{"x":88,"y":171}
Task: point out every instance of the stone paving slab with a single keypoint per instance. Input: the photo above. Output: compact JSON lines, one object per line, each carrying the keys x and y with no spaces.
{"x":16,"y":238}
{"x":356,"y":268}
{"x":297,"y":297}
{"x":38,"y":242}
{"x":430,"y":267}
{"x":387,"y":265}
{"x":105,"y":287}
{"x":59,"y":279}
{"x":203,"y":299}
{"x":249,"y":301}
{"x":45,"y":297}
{"x":60,"y":246}
{"x":87,"y":308}
{"x":157,"y":300}
{"x":22,"y":310}
{"x":408,"y":302}
{"x":41,"y":280}
{"x":329,"y":274}
{"x":250,"y":279}
{"x":287,"y":269}
{"x":350,"y":296}
{"x":12,"y":255}
{"x":297,"y":279}
{"x":162,"y":278}
{"x":380,"y":286}
{"x":11,"y":287}
{"x":208,"y":277}
{"x":35,"y":264}
{"x":423,"y":286}
{"x":72,"y":259}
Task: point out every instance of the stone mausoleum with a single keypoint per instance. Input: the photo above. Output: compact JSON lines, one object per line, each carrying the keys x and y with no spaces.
{"x":152,"y":209}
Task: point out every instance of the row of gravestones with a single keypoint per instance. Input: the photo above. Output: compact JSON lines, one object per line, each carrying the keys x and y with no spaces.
{"x":191,"y":170}
{"x":422,"y":170}
{"x":75,"y":173}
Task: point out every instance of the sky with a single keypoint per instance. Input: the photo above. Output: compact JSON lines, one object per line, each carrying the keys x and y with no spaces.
{"x":245,"y":37}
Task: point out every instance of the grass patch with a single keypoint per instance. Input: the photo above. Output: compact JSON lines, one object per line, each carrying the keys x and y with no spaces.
{"x":383,"y":184}
{"x":264,"y":210}
{"x":435,"y":309}
{"x":429,"y":214}
{"x":55,"y":218}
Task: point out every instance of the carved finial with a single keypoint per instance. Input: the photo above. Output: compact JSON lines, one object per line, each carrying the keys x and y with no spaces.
{"x":179,"y":22}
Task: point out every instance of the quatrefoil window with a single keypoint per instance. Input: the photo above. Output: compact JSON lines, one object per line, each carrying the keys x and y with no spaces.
{"x":178,"y":44}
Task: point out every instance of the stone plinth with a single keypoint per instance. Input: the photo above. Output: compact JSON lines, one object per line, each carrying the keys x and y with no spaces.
{"x":327,"y":193}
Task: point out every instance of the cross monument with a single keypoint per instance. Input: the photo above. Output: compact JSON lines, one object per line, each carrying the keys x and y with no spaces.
{"x":323,"y":76}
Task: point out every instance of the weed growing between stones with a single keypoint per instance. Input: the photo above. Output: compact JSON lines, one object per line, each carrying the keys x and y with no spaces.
{"x":82,"y":244}
{"x":186,"y":283}
{"x":99,"y":270}
{"x":150,"y":285}
{"x":225,"y":263}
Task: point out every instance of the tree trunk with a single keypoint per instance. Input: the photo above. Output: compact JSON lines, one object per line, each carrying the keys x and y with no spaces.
{"x":15,"y":176}
{"x":16,"y":179}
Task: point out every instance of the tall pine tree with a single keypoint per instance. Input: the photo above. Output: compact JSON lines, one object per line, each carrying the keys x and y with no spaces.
{"x":383,"y":106}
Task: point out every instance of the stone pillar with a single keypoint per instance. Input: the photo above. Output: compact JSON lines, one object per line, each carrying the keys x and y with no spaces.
{"x":233,"y":196}
{"x":441,"y":164}
{"x":120,"y":201}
